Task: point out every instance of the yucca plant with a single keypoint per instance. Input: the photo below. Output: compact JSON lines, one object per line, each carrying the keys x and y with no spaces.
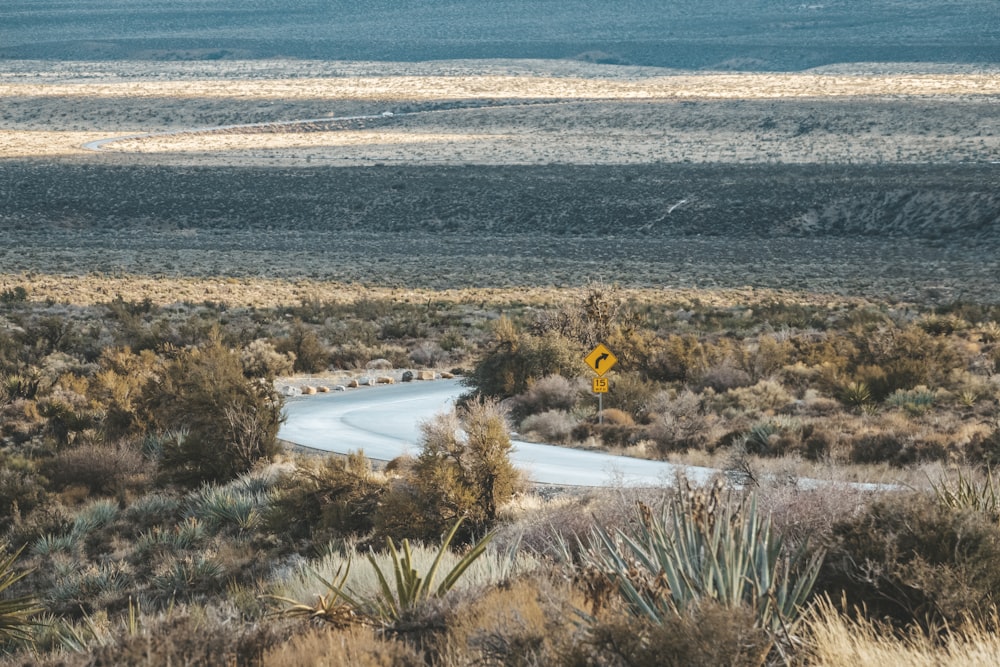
{"x":94,"y":516}
{"x":856,"y":394}
{"x":965,"y":493}
{"x":49,"y":544}
{"x":398,"y":590}
{"x":411,"y":587}
{"x":187,"y":534}
{"x":15,"y":612}
{"x":703,"y":548}
{"x":240,"y":508}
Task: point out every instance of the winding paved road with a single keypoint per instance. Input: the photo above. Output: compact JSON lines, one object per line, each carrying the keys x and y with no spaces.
{"x":384,"y":422}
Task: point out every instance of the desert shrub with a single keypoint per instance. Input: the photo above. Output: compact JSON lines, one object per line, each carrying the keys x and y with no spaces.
{"x":679,"y":422}
{"x":103,"y":468}
{"x":352,"y":354}
{"x":531,"y":621}
{"x":631,"y":394}
{"x":21,"y":489}
{"x":682,"y":359}
{"x":356,"y":646}
{"x":302,"y":342}
{"x":986,"y":449}
{"x":261,"y":360}
{"x":553,"y":426}
{"x":910,"y":559}
{"x":193,"y":636}
{"x":463,"y":470}
{"x":881,"y":447}
{"x":517,"y":360}
{"x":892,"y":359}
{"x":429,"y":354}
{"x":818,"y":443}
{"x":763,"y":396}
{"x":230,"y":422}
{"x":723,"y":376}
{"x":553,"y":392}
{"x":319,"y":500}
{"x":117,"y":387}
{"x":766,"y":357}
{"x":706,"y":635}
{"x":616,"y":417}
{"x":14,"y":295}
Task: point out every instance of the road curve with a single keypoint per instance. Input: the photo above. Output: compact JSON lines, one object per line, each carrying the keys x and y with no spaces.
{"x":385,"y":423}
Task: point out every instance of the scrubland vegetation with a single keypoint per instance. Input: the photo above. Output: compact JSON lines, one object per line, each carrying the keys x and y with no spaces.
{"x":149,"y":515}
{"x":154,"y":294}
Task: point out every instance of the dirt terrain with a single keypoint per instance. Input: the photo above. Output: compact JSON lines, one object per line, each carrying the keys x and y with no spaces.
{"x":873,"y":180}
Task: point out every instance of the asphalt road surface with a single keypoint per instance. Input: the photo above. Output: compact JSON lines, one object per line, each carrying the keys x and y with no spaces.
{"x":384,"y":422}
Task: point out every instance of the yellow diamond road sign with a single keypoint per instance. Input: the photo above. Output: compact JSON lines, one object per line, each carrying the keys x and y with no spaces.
{"x":601,"y":360}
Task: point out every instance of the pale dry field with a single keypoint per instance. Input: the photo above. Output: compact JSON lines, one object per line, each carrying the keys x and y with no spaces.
{"x":281,"y":211}
{"x":528,"y":113}
{"x":93,"y":289}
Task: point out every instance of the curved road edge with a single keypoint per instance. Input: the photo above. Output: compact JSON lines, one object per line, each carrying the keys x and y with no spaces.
{"x":384,"y":422}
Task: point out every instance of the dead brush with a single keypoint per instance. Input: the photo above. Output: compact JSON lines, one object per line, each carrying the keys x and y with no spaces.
{"x":334,"y":607}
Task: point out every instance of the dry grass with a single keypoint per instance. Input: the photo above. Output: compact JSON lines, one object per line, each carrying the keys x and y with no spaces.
{"x":83,"y":290}
{"x":838,"y":642}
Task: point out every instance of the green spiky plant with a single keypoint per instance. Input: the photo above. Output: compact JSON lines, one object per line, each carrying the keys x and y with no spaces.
{"x":856,"y":394}
{"x":966,"y":493}
{"x":411,"y":587}
{"x":703,"y":548}
{"x":15,"y":612}
{"x":399,"y":590}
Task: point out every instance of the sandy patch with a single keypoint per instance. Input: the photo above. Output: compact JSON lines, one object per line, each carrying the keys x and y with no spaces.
{"x":713,"y":86}
{"x":17,"y":144}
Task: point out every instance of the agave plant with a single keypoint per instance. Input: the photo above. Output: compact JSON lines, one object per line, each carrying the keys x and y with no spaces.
{"x":239,"y":508}
{"x":411,"y":587}
{"x":856,"y":394}
{"x":702,"y":548}
{"x":398,"y":590}
{"x":966,"y":493}
{"x":15,"y":612}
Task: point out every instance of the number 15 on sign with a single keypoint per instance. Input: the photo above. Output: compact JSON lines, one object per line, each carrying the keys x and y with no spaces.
{"x":600,"y":385}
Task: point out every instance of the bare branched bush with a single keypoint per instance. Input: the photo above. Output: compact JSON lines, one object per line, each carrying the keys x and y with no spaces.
{"x":555,"y":426}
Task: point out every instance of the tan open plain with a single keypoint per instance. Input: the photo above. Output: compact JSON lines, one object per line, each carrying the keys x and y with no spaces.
{"x":722,"y":86}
